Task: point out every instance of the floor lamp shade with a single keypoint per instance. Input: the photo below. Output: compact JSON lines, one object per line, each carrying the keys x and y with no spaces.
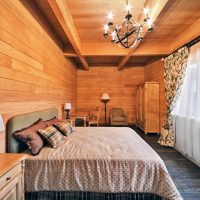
{"x":105,"y":98}
{"x":2,"y":127}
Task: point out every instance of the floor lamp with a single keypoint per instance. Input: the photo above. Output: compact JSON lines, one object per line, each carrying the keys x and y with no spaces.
{"x":105,"y":98}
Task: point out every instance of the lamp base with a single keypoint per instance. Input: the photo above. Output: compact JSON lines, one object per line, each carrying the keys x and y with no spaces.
{"x":105,"y":102}
{"x":67,"y":117}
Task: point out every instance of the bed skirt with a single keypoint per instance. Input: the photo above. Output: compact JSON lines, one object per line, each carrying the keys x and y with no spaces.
{"x":61,"y":195}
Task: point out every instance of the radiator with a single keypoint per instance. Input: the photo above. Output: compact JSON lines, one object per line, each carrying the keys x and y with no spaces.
{"x":187,"y":132}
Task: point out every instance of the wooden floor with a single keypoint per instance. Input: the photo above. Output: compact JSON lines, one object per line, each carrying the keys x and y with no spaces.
{"x":184,"y":173}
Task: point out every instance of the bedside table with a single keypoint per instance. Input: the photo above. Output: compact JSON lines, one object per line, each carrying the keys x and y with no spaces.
{"x":12,"y":176}
{"x":70,"y":121}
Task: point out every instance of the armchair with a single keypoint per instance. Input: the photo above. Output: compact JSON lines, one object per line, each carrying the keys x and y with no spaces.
{"x":118,"y":117}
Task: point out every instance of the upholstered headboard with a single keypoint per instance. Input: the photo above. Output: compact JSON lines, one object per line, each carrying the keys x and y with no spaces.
{"x":21,"y":121}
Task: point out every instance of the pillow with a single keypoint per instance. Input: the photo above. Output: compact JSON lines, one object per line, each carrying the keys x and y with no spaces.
{"x":64,"y":127}
{"x":30,"y":137}
{"x":52,"y":121}
{"x":52,"y":135}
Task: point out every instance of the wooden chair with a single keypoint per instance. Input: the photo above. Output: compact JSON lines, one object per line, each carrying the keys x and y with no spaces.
{"x":93,"y":118}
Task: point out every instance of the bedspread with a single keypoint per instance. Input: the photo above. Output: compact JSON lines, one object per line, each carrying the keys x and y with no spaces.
{"x":100,"y":159}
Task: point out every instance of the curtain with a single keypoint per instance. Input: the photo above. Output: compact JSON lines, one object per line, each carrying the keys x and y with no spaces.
{"x":188,"y":105}
{"x":174,"y":72}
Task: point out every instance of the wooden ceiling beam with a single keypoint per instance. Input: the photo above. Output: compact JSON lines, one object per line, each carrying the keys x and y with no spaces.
{"x":69,"y":55}
{"x":156,"y":6}
{"x":151,"y":48}
{"x":62,"y":13}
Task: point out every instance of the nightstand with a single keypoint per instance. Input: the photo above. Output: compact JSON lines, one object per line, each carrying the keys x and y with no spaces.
{"x":12,"y":176}
{"x":70,"y":121}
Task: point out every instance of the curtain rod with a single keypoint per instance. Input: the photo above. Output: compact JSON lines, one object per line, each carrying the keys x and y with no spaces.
{"x":193,"y":42}
{"x":189,"y":44}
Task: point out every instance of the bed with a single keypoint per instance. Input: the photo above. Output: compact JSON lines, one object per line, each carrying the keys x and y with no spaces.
{"x":93,"y":163}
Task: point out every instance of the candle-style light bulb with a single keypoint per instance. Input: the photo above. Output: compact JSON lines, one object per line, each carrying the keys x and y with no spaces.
{"x":149,"y":23}
{"x":110,"y":16}
{"x":113,"y":35}
{"x":106,"y":27}
{"x":146,"y":11}
{"x":128,"y":7}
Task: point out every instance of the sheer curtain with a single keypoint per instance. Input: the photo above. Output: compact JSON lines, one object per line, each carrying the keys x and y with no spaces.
{"x":186,"y":114}
{"x":188,"y":104}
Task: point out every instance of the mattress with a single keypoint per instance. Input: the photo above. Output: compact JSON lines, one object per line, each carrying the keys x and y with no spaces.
{"x":100,"y":159}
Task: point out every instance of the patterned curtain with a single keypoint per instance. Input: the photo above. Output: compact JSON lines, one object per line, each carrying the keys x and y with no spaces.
{"x":174,"y":72}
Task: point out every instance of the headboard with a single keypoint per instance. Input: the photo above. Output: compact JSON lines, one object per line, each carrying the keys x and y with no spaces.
{"x":21,"y":121}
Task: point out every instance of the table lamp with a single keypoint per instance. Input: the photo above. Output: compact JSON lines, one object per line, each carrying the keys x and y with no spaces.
{"x":68,"y":107}
{"x":2,"y":127}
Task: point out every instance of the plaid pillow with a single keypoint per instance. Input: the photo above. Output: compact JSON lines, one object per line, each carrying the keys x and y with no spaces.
{"x":64,"y":127}
{"x":52,"y":135}
{"x":30,"y":137}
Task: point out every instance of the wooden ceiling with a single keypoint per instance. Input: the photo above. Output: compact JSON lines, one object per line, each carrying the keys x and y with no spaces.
{"x":79,"y":25}
{"x":90,"y":20}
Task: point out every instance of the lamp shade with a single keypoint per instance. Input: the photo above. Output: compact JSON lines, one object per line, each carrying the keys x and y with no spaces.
{"x":68,"y":106}
{"x":2,"y":127}
{"x":105,"y":96}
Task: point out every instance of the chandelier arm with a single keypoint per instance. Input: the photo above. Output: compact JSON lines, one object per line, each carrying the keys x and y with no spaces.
{"x":133,"y":42}
{"x":119,"y":41}
{"x":130,"y":33}
{"x":127,"y":31}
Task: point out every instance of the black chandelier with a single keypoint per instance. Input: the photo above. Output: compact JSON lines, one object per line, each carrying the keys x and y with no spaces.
{"x":130,"y":32}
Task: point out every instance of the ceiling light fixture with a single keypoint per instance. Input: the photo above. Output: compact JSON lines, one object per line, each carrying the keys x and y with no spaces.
{"x":130,"y":32}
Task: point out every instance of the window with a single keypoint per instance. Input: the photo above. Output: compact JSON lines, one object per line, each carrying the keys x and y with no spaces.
{"x":188,"y":104}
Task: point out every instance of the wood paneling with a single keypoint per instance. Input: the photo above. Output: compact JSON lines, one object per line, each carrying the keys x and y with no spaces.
{"x":155,"y":72}
{"x":34,"y":74}
{"x":120,"y":85}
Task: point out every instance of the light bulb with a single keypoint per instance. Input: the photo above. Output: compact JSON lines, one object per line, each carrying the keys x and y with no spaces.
{"x":113,"y":35}
{"x":106,"y":27}
{"x":128,"y":7}
{"x":146,"y":11}
{"x":149,"y":22}
{"x":110,"y":16}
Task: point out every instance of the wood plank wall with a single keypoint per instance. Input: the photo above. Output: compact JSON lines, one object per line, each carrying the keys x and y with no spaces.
{"x":155,"y":72}
{"x":34,"y":75}
{"x":120,"y":85}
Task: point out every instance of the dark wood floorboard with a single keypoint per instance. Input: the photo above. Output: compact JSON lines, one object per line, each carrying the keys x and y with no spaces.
{"x":184,"y":173}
